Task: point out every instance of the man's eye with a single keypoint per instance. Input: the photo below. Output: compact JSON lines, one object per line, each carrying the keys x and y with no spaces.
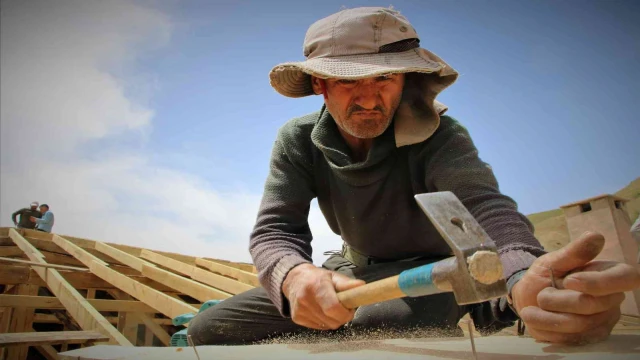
{"x":385,"y":77}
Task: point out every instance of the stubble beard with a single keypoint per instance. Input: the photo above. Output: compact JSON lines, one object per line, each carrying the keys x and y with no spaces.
{"x":368,"y":128}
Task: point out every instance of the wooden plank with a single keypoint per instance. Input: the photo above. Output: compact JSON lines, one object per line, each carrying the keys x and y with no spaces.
{"x":148,"y":337}
{"x":165,"y":304}
{"x":47,"y":265}
{"x":177,"y":282}
{"x":241,"y":266}
{"x":91,"y":294}
{"x":13,"y":274}
{"x":5,"y":321}
{"x":52,"y":319}
{"x":51,"y":337}
{"x":48,"y":352}
{"x":204,"y":276}
{"x":17,"y":274}
{"x":50,"y":302}
{"x":49,"y":246}
{"x":9,"y":251}
{"x":128,"y":326}
{"x":87,"y":317}
{"x":187,"y":286}
{"x":150,"y":323}
{"x":21,"y":321}
{"x":89,"y":244}
{"x":240,"y":275}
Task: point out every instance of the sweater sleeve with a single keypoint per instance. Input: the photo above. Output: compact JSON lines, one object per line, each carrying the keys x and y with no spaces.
{"x":281,"y":238}
{"x":15,"y":214}
{"x":456,"y":167}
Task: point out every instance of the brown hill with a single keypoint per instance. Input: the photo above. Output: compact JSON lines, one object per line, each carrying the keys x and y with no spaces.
{"x":551,"y":226}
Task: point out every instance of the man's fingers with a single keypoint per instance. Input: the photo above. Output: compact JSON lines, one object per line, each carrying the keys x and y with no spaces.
{"x":587,"y":337}
{"x":310,"y":322}
{"x":570,"y":301}
{"x":615,"y":279}
{"x":536,"y":318}
{"x":330,"y":306}
{"x":577,"y":253}
{"x":343,"y":283}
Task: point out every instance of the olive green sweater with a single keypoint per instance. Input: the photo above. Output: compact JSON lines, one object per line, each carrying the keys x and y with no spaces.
{"x":370,"y":204}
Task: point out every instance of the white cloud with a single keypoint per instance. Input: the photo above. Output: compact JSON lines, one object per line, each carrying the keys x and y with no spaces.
{"x":66,"y":82}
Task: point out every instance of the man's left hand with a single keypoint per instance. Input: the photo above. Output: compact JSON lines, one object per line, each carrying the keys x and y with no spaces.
{"x":586,"y":303}
{"x":32,"y":219}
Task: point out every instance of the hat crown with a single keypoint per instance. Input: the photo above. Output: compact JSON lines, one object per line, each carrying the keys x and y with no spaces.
{"x":356,"y":31}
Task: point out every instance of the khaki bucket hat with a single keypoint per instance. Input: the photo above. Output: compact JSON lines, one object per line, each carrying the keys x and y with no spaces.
{"x":366,"y":42}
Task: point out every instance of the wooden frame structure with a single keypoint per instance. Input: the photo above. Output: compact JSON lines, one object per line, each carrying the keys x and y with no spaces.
{"x":126,"y":294}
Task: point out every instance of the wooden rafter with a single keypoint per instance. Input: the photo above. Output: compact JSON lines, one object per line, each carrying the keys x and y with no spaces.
{"x":50,"y":302}
{"x":145,"y":319}
{"x":220,"y":282}
{"x":89,"y":245}
{"x":52,"y":337}
{"x":165,"y":304}
{"x":184,"y":285}
{"x":242,"y":276}
{"x":46,"y":265}
{"x":13,"y":275}
{"x":87,"y":317}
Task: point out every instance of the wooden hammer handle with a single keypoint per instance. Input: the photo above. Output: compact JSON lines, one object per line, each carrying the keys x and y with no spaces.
{"x":378,"y":291}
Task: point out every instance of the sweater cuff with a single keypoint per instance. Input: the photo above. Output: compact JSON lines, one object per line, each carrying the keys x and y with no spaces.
{"x":516,"y":260}
{"x":278,"y":275}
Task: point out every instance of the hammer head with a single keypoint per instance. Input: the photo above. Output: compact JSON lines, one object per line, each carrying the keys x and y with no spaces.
{"x":466,"y":238}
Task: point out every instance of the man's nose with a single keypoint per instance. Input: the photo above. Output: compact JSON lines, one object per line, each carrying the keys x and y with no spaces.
{"x":367,"y":96}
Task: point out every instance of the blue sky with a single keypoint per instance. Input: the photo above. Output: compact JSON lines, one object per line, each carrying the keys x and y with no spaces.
{"x":548,"y":90}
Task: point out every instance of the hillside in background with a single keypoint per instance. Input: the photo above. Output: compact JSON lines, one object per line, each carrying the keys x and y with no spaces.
{"x":551,"y":226}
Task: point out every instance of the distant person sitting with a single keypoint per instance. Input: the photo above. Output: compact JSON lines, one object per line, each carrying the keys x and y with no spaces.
{"x":46,"y":222}
{"x":26,"y":214}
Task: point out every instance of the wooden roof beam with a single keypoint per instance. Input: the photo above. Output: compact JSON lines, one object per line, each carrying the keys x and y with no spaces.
{"x":220,"y":282}
{"x":87,"y":317}
{"x":50,"y":302}
{"x":165,"y":304}
{"x":184,"y":285}
{"x":241,"y":275}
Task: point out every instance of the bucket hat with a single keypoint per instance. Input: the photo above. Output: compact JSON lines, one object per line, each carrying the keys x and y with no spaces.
{"x":367,"y":42}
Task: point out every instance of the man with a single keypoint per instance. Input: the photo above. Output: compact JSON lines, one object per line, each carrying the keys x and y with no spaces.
{"x":25,"y":216}
{"x":379,"y":139}
{"x":45,"y":224}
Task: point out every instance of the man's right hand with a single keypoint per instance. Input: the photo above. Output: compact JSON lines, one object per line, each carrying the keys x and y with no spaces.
{"x":312,"y":297}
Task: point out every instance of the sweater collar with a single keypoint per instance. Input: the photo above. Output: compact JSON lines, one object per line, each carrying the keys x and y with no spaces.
{"x":327,"y":138}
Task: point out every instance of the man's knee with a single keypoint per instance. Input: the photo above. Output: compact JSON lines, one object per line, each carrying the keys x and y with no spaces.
{"x":207,"y":328}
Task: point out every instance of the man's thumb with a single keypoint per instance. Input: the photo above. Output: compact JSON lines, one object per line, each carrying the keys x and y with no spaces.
{"x":342,"y":282}
{"x":577,"y":253}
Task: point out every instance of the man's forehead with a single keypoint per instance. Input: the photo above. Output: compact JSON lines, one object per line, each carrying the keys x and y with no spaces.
{"x":367,"y":78}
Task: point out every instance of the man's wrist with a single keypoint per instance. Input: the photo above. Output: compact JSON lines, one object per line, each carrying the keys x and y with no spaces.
{"x":289,"y":278}
{"x":511,"y":283}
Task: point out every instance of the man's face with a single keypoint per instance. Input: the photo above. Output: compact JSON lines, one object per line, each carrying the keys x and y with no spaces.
{"x":43,"y":209}
{"x":362,"y":108}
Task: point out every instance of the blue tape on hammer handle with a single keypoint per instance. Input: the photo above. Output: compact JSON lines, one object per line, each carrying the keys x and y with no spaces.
{"x":418,"y":281}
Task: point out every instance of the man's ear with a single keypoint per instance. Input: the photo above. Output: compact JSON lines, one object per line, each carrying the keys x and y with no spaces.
{"x":315,"y":84}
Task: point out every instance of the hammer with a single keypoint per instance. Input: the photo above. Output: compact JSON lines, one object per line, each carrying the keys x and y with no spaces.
{"x":473,"y":274}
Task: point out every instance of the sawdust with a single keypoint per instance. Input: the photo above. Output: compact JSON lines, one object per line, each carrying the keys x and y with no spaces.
{"x":485,"y":266}
{"x":355,"y":335}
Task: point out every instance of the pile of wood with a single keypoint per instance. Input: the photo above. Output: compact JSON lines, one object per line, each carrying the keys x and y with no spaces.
{"x":60,"y":290}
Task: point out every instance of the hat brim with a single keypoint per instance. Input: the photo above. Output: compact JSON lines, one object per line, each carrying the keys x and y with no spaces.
{"x":292,"y":79}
